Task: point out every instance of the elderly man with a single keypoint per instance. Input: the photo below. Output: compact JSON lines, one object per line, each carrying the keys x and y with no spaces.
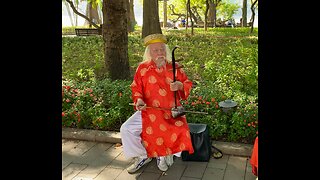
{"x":152,"y":131}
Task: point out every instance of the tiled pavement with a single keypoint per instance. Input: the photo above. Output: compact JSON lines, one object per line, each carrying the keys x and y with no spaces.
{"x":85,"y":160}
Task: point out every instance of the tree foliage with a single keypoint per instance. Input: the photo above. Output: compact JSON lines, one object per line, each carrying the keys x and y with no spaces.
{"x":178,"y":9}
{"x":226,"y":9}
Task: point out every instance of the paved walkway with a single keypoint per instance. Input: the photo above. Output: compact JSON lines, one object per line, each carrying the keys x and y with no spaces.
{"x":86,"y":157}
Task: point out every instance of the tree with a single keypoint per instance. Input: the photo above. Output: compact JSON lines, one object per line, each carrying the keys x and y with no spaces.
{"x":254,"y":4}
{"x":69,"y":14}
{"x":74,"y":14}
{"x":131,"y":19}
{"x":115,"y":36}
{"x":164,"y":12}
{"x":244,"y":13}
{"x":92,"y":12}
{"x":212,"y":16}
{"x":179,"y":8}
{"x":173,"y":13}
{"x":151,"y":22}
{"x":207,"y":9}
{"x":227,"y":9}
{"x":206,"y":16}
{"x":80,"y":14}
{"x":195,"y":14}
{"x":189,"y":12}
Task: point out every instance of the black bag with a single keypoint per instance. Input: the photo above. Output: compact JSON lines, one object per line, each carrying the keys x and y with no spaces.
{"x":201,"y":143}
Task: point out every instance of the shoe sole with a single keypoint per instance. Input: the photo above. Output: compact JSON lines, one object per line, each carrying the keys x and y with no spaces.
{"x":145,"y":162}
{"x":163,"y":169}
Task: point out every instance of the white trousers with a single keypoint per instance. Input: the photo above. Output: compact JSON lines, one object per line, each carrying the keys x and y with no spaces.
{"x":130,"y":132}
{"x":130,"y":136}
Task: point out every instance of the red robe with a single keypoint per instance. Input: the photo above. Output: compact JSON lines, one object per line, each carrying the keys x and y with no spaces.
{"x":161,"y":134}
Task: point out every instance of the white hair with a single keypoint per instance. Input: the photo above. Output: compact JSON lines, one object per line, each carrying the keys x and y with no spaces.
{"x":147,"y":55}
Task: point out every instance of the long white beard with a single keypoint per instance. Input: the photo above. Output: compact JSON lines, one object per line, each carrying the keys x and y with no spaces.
{"x":160,"y":61}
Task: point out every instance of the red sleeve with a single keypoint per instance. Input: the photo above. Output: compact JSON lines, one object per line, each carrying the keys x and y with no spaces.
{"x":187,"y":84}
{"x":136,"y":86}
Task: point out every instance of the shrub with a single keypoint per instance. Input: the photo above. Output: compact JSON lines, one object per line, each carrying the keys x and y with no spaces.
{"x":99,"y":105}
{"x":223,"y":126}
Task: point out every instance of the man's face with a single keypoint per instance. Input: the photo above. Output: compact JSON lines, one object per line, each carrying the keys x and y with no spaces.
{"x":158,"y":52}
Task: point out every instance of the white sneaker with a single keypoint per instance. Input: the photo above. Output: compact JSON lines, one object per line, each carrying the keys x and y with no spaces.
{"x":169,"y":160}
{"x":137,"y":164}
{"x":161,"y":162}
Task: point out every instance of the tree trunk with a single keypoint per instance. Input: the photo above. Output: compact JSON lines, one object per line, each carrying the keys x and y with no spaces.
{"x":74,"y":14}
{"x":164,"y":13}
{"x":244,"y":13}
{"x":211,"y":14}
{"x":151,"y":22}
{"x":187,"y":18}
{"x":214,"y":15}
{"x":132,"y":21}
{"x":253,"y":14}
{"x":206,"y":16}
{"x":189,"y":12}
{"x":115,"y":36}
{"x":197,"y":17}
{"x":88,"y":14}
{"x":93,"y":15}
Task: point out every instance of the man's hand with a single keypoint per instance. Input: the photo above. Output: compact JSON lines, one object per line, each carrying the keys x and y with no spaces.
{"x":140,"y":105}
{"x":175,"y":86}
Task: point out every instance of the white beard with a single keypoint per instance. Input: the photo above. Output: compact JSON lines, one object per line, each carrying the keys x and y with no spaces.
{"x":160,"y":61}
